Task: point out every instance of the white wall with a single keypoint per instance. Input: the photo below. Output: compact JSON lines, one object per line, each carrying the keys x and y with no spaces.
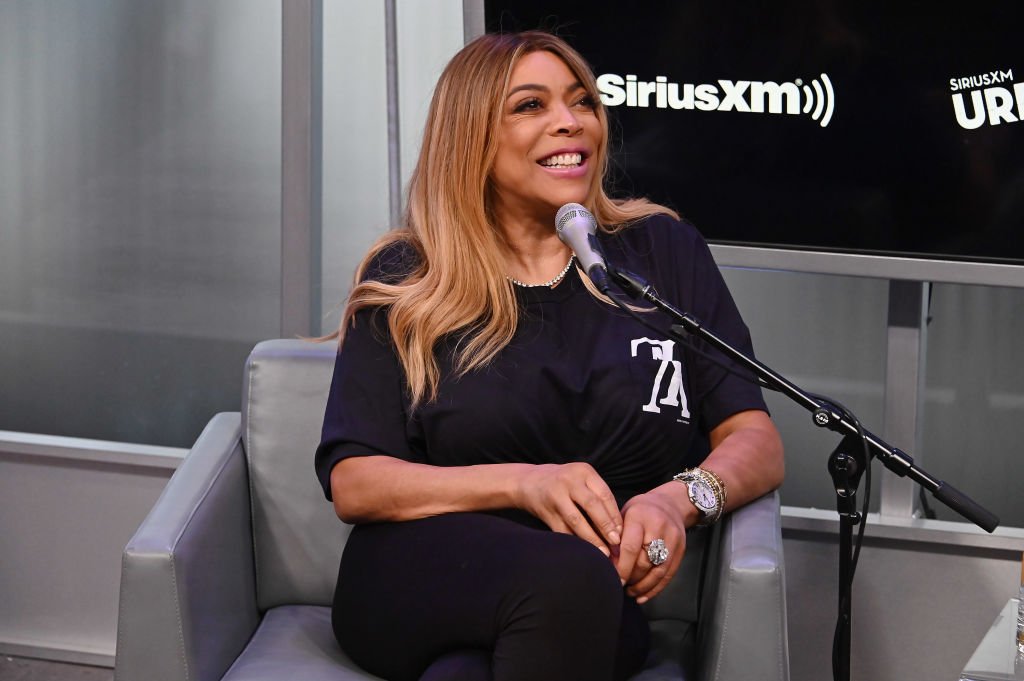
{"x":67,"y":509}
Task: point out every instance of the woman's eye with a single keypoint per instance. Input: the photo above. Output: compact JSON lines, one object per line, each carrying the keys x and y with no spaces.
{"x":587,"y":101}
{"x":531,"y":104}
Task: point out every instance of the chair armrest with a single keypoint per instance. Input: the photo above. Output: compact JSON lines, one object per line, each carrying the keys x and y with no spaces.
{"x":188,"y":595}
{"x":744,"y":634}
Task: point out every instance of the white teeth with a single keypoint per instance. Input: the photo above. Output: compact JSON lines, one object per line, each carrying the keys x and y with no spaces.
{"x":562,"y":160}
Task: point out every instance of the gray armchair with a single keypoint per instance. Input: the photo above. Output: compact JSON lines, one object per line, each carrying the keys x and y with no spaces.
{"x":232,"y":573}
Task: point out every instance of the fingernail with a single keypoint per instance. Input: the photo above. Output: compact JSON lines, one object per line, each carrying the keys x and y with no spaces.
{"x":622,"y":581}
{"x":642,"y":600}
{"x":614,"y":537}
{"x":605,"y":551}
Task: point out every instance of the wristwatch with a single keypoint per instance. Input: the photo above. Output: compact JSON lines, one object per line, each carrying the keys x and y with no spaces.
{"x":706,"y":491}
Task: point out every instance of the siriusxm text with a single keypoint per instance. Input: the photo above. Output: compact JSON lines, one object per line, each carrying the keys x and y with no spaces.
{"x":749,"y":96}
{"x":971,"y":82}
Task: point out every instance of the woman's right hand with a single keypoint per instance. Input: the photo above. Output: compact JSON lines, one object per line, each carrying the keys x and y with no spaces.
{"x":572,"y":499}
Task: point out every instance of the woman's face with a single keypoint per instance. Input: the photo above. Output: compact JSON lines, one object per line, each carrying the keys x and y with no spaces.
{"x":547,"y":139}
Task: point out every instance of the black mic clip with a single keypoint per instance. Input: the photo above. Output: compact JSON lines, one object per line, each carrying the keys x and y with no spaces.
{"x":633,"y":285}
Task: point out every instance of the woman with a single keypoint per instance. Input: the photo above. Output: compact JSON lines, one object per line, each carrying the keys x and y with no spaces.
{"x":503,"y":439}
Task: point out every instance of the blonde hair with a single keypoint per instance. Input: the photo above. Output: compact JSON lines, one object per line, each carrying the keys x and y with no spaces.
{"x":457,"y":284}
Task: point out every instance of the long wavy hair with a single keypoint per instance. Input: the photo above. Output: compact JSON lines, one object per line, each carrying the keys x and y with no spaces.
{"x":457,"y":284}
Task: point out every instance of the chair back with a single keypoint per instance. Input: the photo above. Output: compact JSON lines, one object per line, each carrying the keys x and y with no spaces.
{"x":297,"y":538}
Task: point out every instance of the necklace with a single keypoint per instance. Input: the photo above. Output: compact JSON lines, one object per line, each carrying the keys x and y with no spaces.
{"x":552,"y":282}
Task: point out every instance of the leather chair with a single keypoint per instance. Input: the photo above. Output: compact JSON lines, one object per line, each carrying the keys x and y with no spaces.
{"x":232,"y":573}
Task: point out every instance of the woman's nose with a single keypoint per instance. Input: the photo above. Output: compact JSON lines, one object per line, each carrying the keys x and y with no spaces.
{"x":566,"y":122}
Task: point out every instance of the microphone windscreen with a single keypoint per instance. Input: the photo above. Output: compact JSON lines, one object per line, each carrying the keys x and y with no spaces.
{"x":570,"y":211}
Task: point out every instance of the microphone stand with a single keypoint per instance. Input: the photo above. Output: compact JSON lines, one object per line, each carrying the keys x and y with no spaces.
{"x":845,"y":465}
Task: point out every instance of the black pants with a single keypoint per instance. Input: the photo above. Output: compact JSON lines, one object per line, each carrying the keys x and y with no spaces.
{"x":473,"y":596}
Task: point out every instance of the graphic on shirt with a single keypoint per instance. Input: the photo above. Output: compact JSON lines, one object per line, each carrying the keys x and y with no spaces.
{"x":674,"y":396}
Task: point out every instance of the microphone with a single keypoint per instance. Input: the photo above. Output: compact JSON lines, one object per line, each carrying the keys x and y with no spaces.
{"x":577,"y":229}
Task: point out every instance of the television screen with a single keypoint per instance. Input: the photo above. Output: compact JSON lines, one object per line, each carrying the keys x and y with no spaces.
{"x":873,"y":127}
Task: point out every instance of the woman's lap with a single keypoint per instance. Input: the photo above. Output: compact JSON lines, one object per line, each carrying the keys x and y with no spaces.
{"x":543,"y":605}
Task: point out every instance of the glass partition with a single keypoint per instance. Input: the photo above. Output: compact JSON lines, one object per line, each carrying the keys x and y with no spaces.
{"x":827,"y":334}
{"x":355,"y":144}
{"x":974,"y":397}
{"x":139,"y":212}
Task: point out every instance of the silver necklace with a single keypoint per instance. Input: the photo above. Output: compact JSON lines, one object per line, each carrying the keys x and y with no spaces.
{"x":552,"y":282}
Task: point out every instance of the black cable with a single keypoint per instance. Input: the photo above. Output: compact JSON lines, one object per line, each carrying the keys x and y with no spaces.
{"x":848,"y":587}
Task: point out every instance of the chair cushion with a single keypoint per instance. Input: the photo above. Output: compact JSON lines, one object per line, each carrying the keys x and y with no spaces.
{"x":297,"y":538}
{"x":673,"y":650}
{"x":295,"y":642}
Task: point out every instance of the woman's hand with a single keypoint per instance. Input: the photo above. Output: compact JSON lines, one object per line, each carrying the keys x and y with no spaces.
{"x":572,"y":499}
{"x":746,"y":452}
{"x":658,"y":514}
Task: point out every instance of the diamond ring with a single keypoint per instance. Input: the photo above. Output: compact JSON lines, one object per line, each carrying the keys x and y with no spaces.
{"x":657,"y":552}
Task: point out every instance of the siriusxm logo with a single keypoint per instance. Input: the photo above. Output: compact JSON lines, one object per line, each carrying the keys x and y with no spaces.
{"x":750,"y":96}
{"x":994,"y":104}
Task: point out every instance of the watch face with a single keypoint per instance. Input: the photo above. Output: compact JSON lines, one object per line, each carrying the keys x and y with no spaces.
{"x":702,"y":495}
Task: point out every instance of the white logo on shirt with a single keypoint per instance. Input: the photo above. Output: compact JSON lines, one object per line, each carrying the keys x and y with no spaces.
{"x":663,"y":351}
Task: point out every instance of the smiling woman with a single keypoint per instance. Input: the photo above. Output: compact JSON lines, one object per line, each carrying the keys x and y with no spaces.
{"x":515,"y":502}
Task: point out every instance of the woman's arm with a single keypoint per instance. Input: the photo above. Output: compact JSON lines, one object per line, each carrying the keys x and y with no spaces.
{"x":570,"y":498}
{"x":746,"y":453}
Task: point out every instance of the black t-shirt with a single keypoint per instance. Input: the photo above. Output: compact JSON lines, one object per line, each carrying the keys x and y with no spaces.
{"x":580,"y":380}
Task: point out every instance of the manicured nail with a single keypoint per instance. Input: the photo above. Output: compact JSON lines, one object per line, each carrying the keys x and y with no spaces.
{"x":642,"y":600}
{"x":614,"y":537}
{"x":605,"y":551}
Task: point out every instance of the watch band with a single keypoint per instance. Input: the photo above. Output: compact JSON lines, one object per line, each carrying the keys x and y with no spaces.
{"x":709,"y":515}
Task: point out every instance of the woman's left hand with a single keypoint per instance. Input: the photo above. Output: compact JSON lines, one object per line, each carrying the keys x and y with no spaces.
{"x":658,"y":514}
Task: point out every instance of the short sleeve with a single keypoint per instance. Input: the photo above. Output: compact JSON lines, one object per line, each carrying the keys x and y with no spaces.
{"x":366,"y":408}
